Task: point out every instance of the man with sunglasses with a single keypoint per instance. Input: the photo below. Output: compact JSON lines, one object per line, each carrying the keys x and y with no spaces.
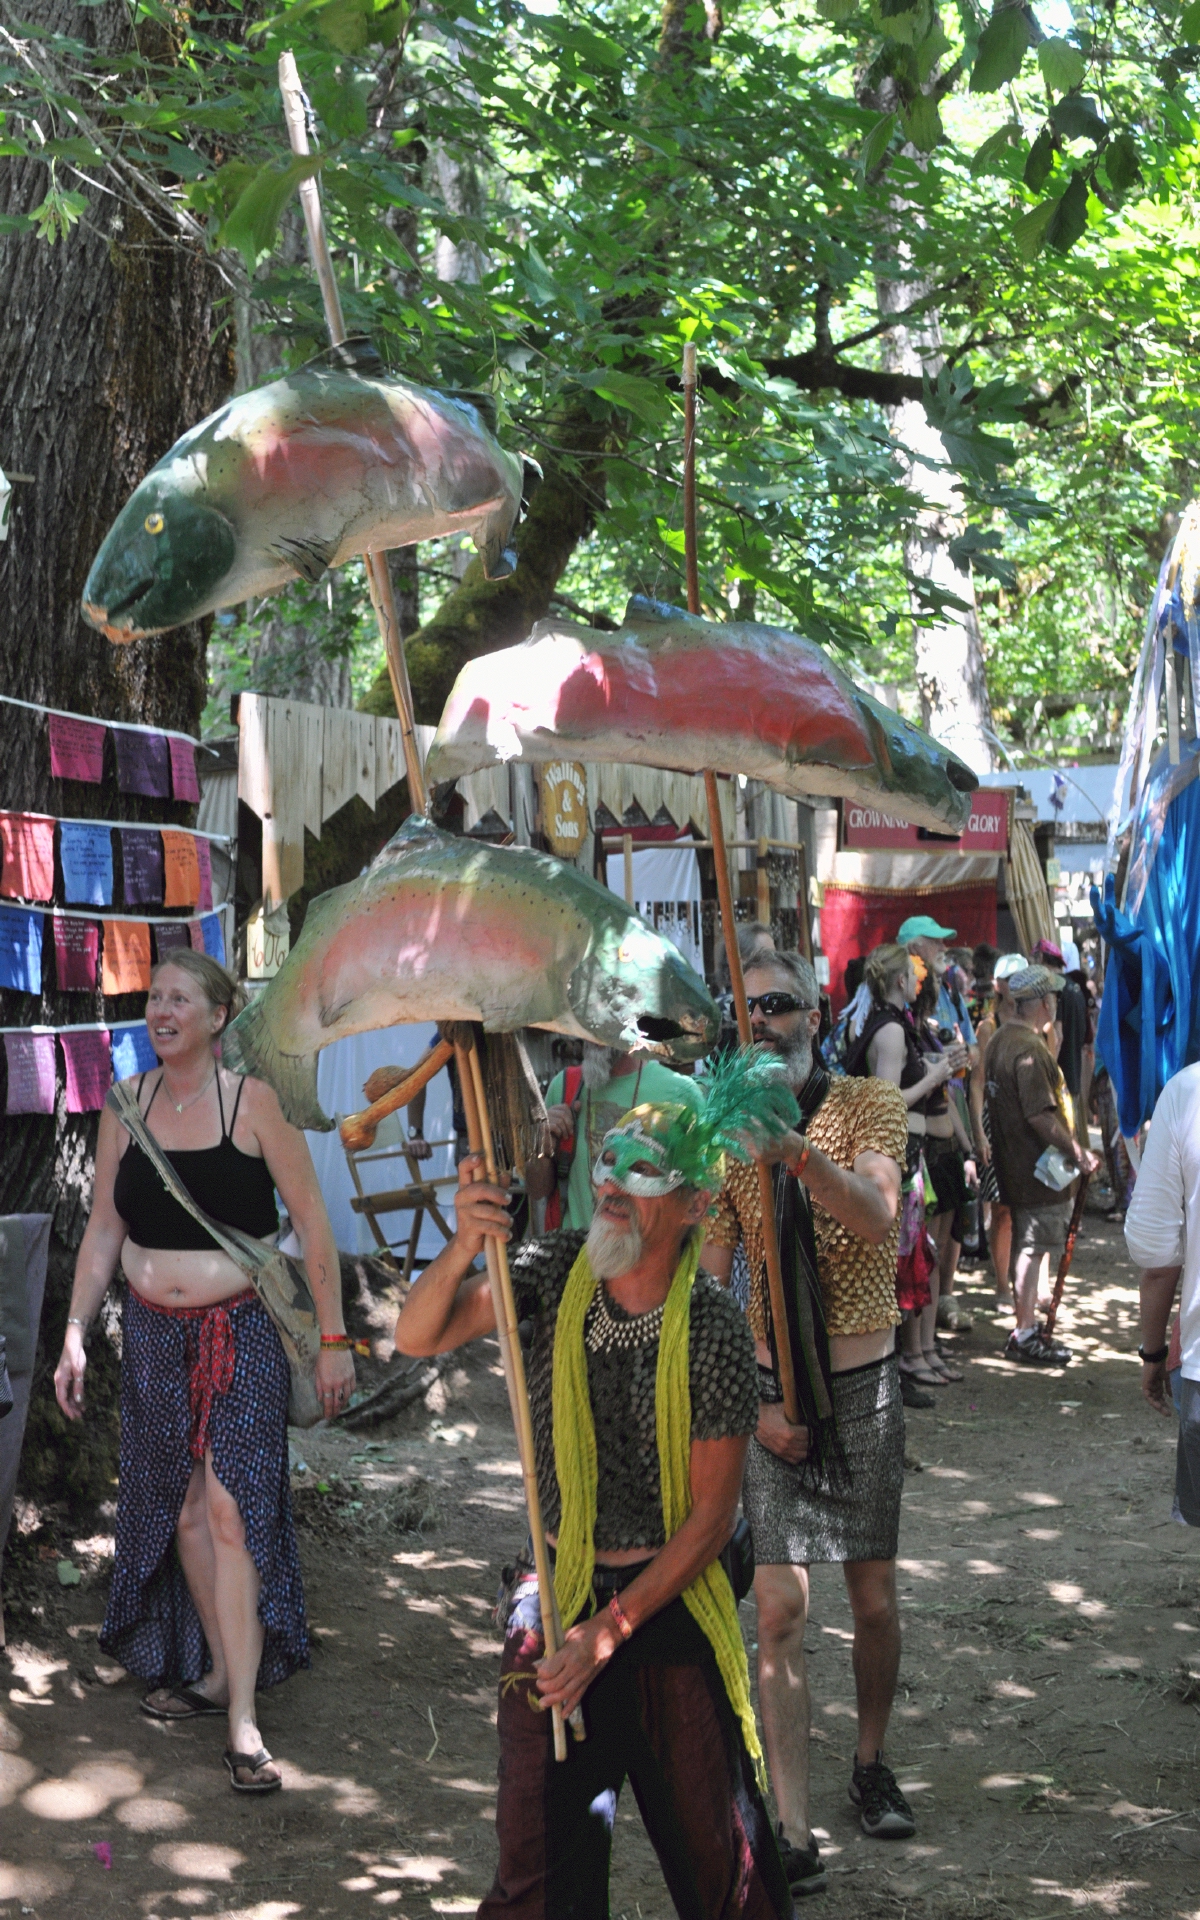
{"x":828,"y":1489}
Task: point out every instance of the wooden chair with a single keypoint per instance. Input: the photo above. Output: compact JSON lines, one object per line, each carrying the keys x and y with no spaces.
{"x":419,"y":1197}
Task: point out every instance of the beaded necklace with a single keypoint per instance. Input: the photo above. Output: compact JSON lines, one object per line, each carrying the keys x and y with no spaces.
{"x":603,"y":1333}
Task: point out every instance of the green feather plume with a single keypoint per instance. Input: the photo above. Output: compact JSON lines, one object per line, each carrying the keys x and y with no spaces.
{"x":745,"y":1096}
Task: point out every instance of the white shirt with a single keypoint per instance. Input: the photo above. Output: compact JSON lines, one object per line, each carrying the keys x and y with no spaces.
{"x":1162,"y":1227}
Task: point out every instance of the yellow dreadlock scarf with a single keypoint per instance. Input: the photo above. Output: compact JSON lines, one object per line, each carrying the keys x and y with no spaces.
{"x":709,"y":1599}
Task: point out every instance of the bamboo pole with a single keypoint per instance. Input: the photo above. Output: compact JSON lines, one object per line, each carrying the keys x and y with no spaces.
{"x":479,"y":1134}
{"x":379,"y":579}
{"x":766,"y":1189}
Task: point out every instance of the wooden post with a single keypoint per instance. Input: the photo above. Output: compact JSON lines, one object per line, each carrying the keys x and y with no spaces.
{"x":479,"y":1133}
{"x":379,"y":579}
{"x":803,"y":908}
{"x":627,"y":850}
{"x":764,"y":881}
{"x":716,"y":827}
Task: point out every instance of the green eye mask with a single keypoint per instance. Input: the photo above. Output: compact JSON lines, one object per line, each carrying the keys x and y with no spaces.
{"x":660,"y":1146}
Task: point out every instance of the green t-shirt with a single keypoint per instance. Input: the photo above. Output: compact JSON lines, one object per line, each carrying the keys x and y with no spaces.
{"x":600,"y":1108}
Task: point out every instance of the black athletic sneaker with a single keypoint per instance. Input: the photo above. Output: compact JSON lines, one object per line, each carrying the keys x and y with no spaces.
{"x":803,"y":1866}
{"x":1037,"y":1351}
{"x":885,"y":1813}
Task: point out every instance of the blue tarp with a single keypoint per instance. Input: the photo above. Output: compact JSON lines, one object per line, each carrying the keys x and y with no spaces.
{"x":1150,"y":1017}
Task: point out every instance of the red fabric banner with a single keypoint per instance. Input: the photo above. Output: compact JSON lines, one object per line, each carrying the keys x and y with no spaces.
{"x":856,"y":919}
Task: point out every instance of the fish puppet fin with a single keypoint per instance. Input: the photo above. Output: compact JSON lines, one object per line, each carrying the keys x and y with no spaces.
{"x":247,"y":1047}
{"x":312,"y":558}
{"x":356,"y":354}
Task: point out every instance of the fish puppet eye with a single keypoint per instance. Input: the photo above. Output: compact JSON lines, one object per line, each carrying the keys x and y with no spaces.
{"x":154,"y":523}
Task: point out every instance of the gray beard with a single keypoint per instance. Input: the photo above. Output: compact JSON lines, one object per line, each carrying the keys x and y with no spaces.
{"x":611,"y":1249}
{"x":797,"y":1057}
{"x":598,"y":1063}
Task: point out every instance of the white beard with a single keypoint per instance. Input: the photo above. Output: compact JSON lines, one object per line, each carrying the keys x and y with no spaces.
{"x":796,"y":1056}
{"x":612,"y":1247}
{"x":598,"y":1063}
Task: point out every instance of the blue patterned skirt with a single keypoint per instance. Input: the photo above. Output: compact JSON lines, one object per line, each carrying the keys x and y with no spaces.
{"x":151,"y":1625}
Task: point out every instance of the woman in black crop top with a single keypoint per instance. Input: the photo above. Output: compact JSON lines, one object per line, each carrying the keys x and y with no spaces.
{"x":206,"y":1600}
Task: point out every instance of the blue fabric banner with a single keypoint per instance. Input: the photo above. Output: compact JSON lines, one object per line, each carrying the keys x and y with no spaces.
{"x":214,"y":936}
{"x":86,"y":855}
{"x":132,"y":1052}
{"x":21,"y":949}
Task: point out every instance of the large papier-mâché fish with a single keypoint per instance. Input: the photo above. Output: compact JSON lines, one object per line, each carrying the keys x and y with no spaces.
{"x":442,"y":927}
{"x":671,"y":690}
{"x":337,"y":459}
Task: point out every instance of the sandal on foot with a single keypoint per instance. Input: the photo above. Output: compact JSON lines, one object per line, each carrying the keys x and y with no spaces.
{"x":920,"y":1373}
{"x":253,"y":1763}
{"x":936,"y":1364}
{"x":189,"y":1704}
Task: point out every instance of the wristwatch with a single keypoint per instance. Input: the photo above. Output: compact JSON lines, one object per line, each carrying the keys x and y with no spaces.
{"x":1153,"y":1359}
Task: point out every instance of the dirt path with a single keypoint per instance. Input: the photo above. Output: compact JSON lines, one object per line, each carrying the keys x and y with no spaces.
{"x":1046,"y":1730}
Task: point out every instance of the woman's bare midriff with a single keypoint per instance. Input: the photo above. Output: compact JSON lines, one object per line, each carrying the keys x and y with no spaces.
{"x":167,"y":1278}
{"x":846,"y":1350}
{"x":623,"y":1557}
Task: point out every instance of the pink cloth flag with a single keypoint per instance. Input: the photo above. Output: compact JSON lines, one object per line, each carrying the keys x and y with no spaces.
{"x":196,"y":935}
{"x":76,"y":953}
{"x":183,"y":769}
{"x":28,"y":845}
{"x":30,"y":1072}
{"x":76,"y":748}
{"x":89,"y":1069}
{"x":204,"y":862}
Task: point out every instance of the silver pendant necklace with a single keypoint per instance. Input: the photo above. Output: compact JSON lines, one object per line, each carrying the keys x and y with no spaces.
{"x":181,"y":1106}
{"x":604,"y":1333}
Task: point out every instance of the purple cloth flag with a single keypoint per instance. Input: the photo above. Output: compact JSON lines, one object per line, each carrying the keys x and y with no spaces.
{"x":143,"y":763}
{"x":76,"y":748}
{"x":132,"y":1051}
{"x":213,"y":935}
{"x":86,"y":855}
{"x":20,"y":949}
{"x":169,"y":934}
{"x":142,"y":853}
{"x":183,"y":769}
{"x":76,"y":954}
{"x":204,"y":862}
{"x":30,"y":1072}
{"x":89,"y":1069}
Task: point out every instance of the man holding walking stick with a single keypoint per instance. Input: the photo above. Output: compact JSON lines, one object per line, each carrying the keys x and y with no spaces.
{"x":643,"y":1395}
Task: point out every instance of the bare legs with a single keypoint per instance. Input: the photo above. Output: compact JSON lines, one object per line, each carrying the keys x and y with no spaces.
{"x":1000,"y":1242}
{"x":1029,"y":1270}
{"x":224,"y":1584}
{"x":782,"y":1597}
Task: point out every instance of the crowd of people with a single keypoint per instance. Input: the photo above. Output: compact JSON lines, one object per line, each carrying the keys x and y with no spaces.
{"x":939,"y":1109}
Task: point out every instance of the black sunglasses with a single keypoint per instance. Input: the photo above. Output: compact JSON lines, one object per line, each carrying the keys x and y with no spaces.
{"x":773,"y":1003}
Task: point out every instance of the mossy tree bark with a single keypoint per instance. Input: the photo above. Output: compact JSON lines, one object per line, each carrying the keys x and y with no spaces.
{"x":110,"y":345}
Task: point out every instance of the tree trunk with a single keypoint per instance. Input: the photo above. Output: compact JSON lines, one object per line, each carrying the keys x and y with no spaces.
{"x":108,"y":345}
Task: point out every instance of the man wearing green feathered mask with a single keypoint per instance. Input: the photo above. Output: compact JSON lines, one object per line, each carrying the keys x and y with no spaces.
{"x":643,"y":1393}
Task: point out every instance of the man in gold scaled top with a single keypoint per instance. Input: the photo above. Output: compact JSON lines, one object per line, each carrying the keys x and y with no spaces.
{"x":829,"y":1489}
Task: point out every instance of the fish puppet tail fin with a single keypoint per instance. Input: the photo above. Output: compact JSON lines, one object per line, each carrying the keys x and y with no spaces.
{"x":247,"y":1047}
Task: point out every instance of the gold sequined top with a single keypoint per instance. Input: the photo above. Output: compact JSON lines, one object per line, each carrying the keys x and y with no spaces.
{"x":858,"y":1281}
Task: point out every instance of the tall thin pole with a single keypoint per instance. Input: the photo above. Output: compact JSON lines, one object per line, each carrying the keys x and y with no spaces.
{"x":766,"y":1190}
{"x":379,"y":579}
{"x":479,"y":1135}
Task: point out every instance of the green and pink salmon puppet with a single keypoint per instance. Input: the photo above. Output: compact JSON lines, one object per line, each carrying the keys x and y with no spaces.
{"x":442,"y":927}
{"x":337,"y":459}
{"x":672,"y":690}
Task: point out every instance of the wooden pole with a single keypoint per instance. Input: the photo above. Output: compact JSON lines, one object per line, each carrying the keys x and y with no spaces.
{"x":479,"y":1134}
{"x":803,"y":909}
{"x":379,"y":579}
{"x":763,"y":877}
{"x":716,"y":827}
{"x":627,"y":850}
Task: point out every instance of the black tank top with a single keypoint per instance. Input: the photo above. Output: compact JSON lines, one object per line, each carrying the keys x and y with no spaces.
{"x":913,"y":1069}
{"x":234,"y":1187}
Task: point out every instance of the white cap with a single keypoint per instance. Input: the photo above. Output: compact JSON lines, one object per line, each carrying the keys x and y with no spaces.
{"x":1008,"y":964}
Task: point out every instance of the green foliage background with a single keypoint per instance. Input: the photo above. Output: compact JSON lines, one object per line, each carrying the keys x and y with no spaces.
{"x":631,"y":179}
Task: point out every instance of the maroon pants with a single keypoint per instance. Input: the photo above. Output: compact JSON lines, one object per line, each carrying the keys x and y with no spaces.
{"x":658,"y":1716}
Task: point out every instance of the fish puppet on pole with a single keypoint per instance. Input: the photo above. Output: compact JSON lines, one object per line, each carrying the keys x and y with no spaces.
{"x":673,"y":690}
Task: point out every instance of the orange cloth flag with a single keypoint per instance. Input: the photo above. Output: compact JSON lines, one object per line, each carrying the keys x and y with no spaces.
{"x":182,"y":869}
{"x":126,"y":964}
{"x":28,"y":850}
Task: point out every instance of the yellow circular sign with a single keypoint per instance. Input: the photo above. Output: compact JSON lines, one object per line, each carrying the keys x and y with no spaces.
{"x":564,"y":807}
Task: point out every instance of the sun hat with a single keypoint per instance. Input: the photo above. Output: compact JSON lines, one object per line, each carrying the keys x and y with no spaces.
{"x":920,"y":927}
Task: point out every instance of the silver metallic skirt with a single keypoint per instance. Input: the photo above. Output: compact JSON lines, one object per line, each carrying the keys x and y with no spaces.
{"x":793,"y":1525}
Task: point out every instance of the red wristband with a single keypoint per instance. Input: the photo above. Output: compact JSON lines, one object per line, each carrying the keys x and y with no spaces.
{"x":618,"y":1614}
{"x":805,"y":1150}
